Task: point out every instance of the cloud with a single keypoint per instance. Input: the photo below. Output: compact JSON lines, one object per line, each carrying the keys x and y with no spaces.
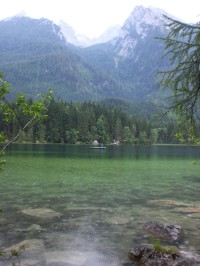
{"x":93,"y":17}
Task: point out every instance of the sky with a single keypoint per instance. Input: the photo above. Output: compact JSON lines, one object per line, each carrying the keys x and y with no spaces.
{"x":93,"y":17}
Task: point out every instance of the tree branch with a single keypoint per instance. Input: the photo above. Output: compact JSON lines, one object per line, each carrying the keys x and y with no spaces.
{"x":16,"y":137}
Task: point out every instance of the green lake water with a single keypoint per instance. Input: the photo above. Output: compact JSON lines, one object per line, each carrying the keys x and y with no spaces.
{"x":104,"y":197}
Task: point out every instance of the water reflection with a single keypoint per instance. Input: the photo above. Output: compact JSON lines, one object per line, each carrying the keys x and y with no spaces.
{"x":122,"y":151}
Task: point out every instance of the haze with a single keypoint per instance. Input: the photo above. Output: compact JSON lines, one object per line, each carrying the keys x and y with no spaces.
{"x":93,"y":17}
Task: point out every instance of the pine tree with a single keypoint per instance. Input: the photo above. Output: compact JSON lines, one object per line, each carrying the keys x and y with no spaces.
{"x":183,"y":77}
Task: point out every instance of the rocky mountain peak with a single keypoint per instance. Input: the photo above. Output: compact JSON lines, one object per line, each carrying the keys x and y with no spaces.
{"x":150,"y":15}
{"x":140,"y":24}
{"x":141,"y":18}
{"x":70,"y":35}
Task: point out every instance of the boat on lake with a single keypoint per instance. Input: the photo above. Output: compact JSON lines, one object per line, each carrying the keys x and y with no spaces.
{"x":97,"y":147}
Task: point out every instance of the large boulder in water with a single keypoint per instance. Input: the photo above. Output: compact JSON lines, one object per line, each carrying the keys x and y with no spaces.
{"x":167,"y":232}
{"x":149,"y":255}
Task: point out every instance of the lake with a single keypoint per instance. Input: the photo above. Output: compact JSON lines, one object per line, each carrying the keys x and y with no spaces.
{"x":88,"y":207}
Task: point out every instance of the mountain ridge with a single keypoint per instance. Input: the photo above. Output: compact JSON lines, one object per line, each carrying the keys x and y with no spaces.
{"x":133,"y":57}
{"x":124,"y":67}
{"x":84,"y":41}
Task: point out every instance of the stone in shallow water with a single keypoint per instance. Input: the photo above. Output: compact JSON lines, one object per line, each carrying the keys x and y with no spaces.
{"x":168,"y":232}
{"x":117,"y":220}
{"x":34,"y":228}
{"x":147,"y":255}
{"x":190,"y":210}
{"x":58,"y":263}
{"x":42,"y":213}
{"x":32,"y":255}
{"x":169,"y":203}
{"x":80,"y":258}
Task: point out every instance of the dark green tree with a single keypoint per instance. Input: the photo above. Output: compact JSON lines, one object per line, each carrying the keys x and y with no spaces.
{"x":55,"y":125}
{"x":118,"y":129}
{"x":102,"y":130}
{"x":72,"y":136}
{"x":127,"y":137}
{"x":183,"y":77}
{"x":21,"y":112}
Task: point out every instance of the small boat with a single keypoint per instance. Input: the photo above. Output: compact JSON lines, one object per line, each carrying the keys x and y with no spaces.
{"x":97,"y":147}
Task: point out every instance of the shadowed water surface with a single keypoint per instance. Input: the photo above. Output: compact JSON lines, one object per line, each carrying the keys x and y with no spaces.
{"x":88,"y":207}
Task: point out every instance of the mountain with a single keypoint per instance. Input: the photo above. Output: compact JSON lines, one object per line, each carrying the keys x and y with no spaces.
{"x":36,"y":56}
{"x":69,"y":33}
{"x":72,"y":37}
{"x":108,"y":35}
{"x":133,"y":57}
{"x":80,"y":40}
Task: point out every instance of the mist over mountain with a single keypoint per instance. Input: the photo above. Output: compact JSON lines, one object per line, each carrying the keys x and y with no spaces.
{"x":37,"y":54}
{"x":84,"y":41}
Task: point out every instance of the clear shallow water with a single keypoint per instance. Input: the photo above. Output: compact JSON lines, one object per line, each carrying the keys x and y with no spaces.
{"x":104,"y":197}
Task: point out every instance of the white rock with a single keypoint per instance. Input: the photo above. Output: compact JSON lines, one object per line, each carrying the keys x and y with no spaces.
{"x":43,"y":213}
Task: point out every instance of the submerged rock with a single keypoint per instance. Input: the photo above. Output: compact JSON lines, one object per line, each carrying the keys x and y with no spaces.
{"x":140,"y":251}
{"x":34,"y":228}
{"x":117,"y":220}
{"x":169,"y":203}
{"x":162,"y":255}
{"x":41,"y":213}
{"x":190,"y":210}
{"x":80,"y":258}
{"x":29,"y":252}
{"x":148,"y":255}
{"x":168,"y":232}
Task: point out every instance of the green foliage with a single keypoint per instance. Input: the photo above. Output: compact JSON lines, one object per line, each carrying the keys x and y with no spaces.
{"x":13,"y":254}
{"x":85,"y":122}
{"x":183,"y":78}
{"x":2,"y":253}
{"x":47,"y":120}
{"x":2,"y":162}
{"x":3,"y":86}
{"x":24,"y":112}
{"x":158,"y":248}
{"x":72,"y":136}
{"x":21,"y":114}
{"x":187,"y":135}
{"x":2,"y":137}
{"x":18,"y":251}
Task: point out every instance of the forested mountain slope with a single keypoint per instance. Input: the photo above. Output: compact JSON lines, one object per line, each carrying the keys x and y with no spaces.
{"x":35,"y":56}
{"x":135,"y":56}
